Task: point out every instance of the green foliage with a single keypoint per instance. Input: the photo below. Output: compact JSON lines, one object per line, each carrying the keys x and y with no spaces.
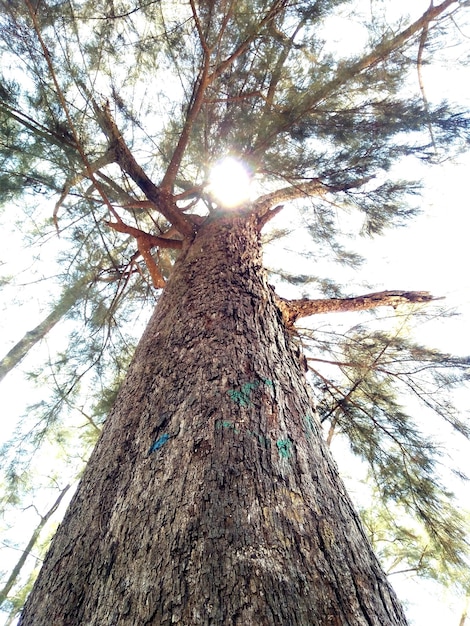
{"x":370,"y":375}
{"x":404,"y":546}
{"x":258,"y":80}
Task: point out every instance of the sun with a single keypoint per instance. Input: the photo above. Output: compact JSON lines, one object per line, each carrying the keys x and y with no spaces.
{"x":229,"y":183}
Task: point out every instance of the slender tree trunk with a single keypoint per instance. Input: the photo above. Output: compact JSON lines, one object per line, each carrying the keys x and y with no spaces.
{"x":211,"y":497}
{"x":14,"y":356}
{"x":463,"y":617}
{"x":29,"y":547}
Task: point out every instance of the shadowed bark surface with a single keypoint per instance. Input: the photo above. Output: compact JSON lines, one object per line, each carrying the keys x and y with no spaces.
{"x":211,"y":497}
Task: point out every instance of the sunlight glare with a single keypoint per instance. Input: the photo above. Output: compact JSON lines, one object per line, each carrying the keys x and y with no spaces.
{"x":229,"y":183}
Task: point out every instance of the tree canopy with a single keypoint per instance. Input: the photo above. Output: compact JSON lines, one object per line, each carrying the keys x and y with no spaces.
{"x":113,"y":114}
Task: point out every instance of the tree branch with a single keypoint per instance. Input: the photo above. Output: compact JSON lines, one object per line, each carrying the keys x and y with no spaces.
{"x":292,"y":310}
{"x":419,"y":66}
{"x":65,"y":108}
{"x":38,"y":129}
{"x":313,"y":187}
{"x":151,"y":240}
{"x":347,"y":71}
{"x":200,"y":33}
{"x":276,"y":7}
{"x":145,"y":243}
{"x":204,"y":80}
{"x":268,"y":215}
{"x":162,"y":200}
{"x":105,"y":159}
{"x":193,"y":111}
{"x":67,"y":301}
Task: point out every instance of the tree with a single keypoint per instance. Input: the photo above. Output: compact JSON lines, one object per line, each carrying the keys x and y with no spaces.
{"x":34,"y":537}
{"x":211,"y":496}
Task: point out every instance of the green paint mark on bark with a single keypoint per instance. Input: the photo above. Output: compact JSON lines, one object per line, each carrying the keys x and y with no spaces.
{"x":284,"y":447}
{"x":309,"y":425}
{"x":242,"y":396}
{"x":226,"y":424}
{"x":263,"y":441}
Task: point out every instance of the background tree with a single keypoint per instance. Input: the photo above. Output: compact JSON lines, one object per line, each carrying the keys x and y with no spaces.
{"x":122,"y":168}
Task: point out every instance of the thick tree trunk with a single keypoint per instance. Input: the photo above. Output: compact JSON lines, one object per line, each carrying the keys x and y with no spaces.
{"x":211,"y":497}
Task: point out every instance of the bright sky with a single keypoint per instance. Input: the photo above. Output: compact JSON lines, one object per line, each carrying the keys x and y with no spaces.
{"x":230,"y":182}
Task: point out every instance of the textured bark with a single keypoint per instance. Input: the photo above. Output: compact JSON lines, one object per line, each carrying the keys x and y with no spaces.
{"x":293,"y":310}
{"x":211,"y":497}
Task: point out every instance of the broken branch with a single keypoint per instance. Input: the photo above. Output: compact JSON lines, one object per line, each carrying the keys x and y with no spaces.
{"x":149,"y":240}
{"x":157,"y":278}
{"x":266,"y":217}
{"x":292,"y":310}
{"x":145,"y":243}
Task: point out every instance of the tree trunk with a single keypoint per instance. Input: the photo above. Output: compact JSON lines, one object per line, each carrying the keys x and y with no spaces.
{"x":211,"y":497}
{"x":31,"y":338}
{"x":67,"y":301}
{"x":29,"y":547}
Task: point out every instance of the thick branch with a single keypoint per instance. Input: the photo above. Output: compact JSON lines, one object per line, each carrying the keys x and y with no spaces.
{"x":292,"y":310}
{"x":268,"y":215}
{"x":151,"y":240}
{"x":313,"y":187}
{"x":120,"y":195}
{"x":125,"y":159}
{"x":264,"y":203}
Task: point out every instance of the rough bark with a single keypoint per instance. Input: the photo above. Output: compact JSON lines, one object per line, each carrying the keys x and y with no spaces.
{"x":211,"y":497}
{"x":293,"y":310}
